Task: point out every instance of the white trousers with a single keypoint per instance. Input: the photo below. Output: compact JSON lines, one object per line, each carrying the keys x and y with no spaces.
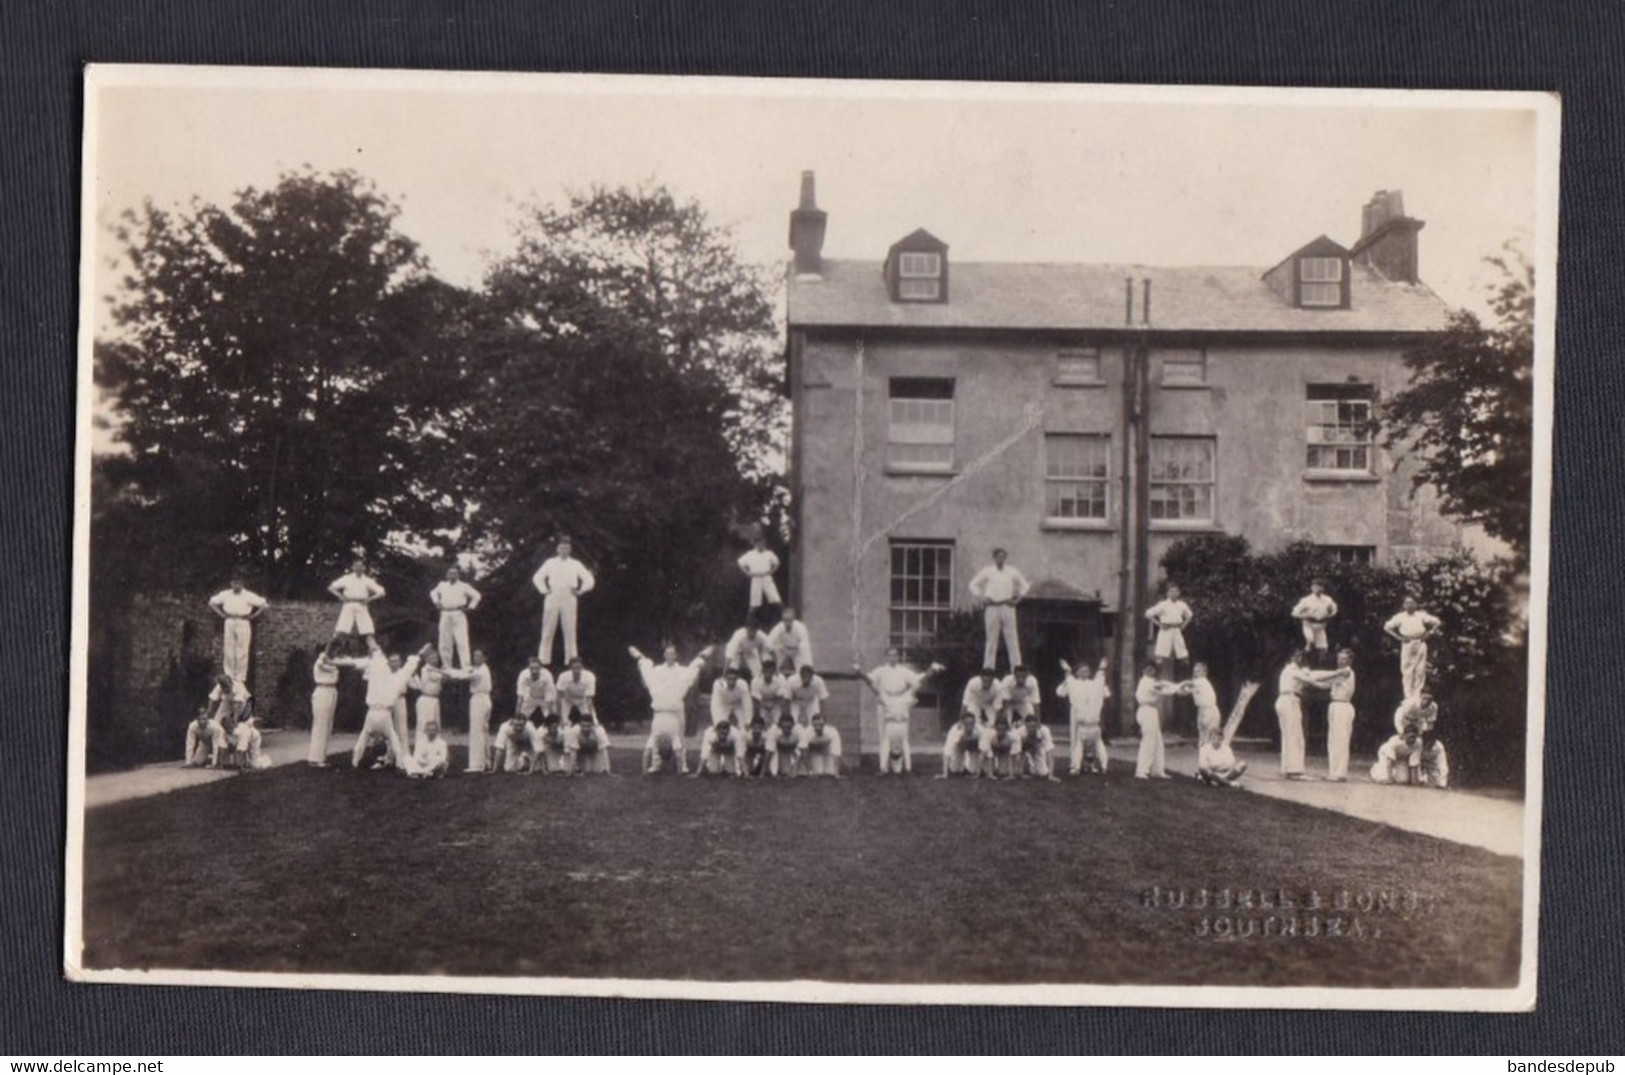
{"x":354,"y":616}
{"x":1000,"y":620}
{"x":1208,"y":720}
{"x":380,"y":724}
{"x":454,"y":638}
{"x":1289,"y":711}
{"x":822,"y":763}
{"x":763,"y":591}
{"x":1314,"y":634}
{"x":234,"y":646}
{"x":1086,"y":740}
{"x":556,"y":608}
{"x":1171,"y":643}
{"x":895,"y":732}
{"x":479,"y":729}
{"x":403,"y":730}
{"x":1339,"y":729}
{"x":1413,"y":666}
{"x":323,"y":702}
{"x":1151,"y":760}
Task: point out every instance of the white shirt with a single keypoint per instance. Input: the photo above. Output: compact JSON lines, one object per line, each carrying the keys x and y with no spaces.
{"x":979,"y":699}
{"x":999,"y":585}
{"x":325,"y":674}
{"x":1203,"y":694}
{"x":829,"y":740}
{"x":712,"y":744}
{"x":774,"y":689}
{"x":384,"y":687}
{"x":1019,"y":696}
{"x":1412,"y":625}
{"x":1040,"y":740}
{"x":430,"y":753}
{"x":759,"y":562}
{"x":239,"y":692}
{"x":960,"y":739}
{"x":1087,"y":696}
{"x":779,"y":739}
{"x":510,"y":737}
{"x":1316,"y":607}
{"x":1145,"y":691}
{"x":1169,"y":614}
{"x":536,"y":690}
{"x":455,"y":597}
{"x":897,"y":685}
{"x":564,"y":577}
{"x":794,"y":643}
{"x":353,"y":587}
{"x":1215,"y":759}
{"x":1294,"y":679}
{"x":742,"y":649}
{"x":1342,"y":688}
{"x":576,"y":692}
{"x":726,"y":700}
{"x":806,"y":697}
{"x":669,"y":684}
{"x":238,"y":604}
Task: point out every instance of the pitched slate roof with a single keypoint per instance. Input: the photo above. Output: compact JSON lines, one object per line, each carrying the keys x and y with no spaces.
{"x":1019,"y":295}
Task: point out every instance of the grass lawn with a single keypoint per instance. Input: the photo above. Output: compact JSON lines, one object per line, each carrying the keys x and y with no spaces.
{"x":864,"y":879}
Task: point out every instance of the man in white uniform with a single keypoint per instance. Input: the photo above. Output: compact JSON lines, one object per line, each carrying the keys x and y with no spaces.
{"x":1152,"y":759}
{"x":821,"y":748}
{"x":731,"y":700}
{"x":429,"y":756}
{"x":479,"y":713}
{"x":896,"y":687}
{"x":722,"y":749}
{"x":668,"y":685}
{"x":1001,"y":746}
{"x":790,"y":641}
{"x":748,"y":648}
{"x":514,"y":745}
{"x":807,"y":695}
{"x":1201,"y":691}
{"x":1020,"y":695}
{"x":1340,"y":718}
{"x":1295,"y":679}
{"x":324,"y":700}
{"x":1037,"y":749}
{"x":550,"y":747}
{"x":237,"y":609}
{"x":774,"y":691}
{"x":1414,"y":755}
{"x":1170,"y":616}
{"x":1000,"y":588}
{"x":357,"y":590}
{"x":962,"y":750}
{"x":984,"y":698}
{"x":577,"y":691}
{"x":1314,"y":611}
{"x":1087,"y":696}
{"x":385,"y":687}
{"x":560,"y":580}
{"x":784,"y":747}
{"x":586,"y":747}
{"x":455,"y":599}
{"x":1411,"y":628}
{"x":535,"y":692}
{"x":397,"y":712}
{"x":759,"y":564}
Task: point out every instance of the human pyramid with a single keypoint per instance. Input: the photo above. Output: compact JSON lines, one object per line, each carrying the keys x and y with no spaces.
{"x":766,"y":706}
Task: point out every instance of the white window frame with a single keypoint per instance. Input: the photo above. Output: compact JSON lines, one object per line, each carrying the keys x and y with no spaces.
{"x":1208,"y":484}
{"x":1332,"y":436}
{"x":1054,"y":482}
{"x":919,"y":275}
{"x":1320,"y":281}
{"x":921,"y":430}
{"x":1090,"y":356}
{"x":1351,"y":554}
{"x":923,"y":608}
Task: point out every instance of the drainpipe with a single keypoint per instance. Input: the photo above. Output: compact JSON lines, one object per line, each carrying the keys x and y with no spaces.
{"x":1123,"y":636}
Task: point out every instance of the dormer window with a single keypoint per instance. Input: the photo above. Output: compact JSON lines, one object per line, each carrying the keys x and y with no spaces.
{"x":917,"y":269}
{"x":919,"y":276}
{"x":1320,"y":281}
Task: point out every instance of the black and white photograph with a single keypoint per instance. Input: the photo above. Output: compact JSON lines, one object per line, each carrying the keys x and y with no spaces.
{"x":811,"y":540}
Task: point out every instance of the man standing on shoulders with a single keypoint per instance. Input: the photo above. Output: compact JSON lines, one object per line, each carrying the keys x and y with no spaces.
{"x":455,"y":599}
{"x":999,"y":587}
{"x":747,"y":649}
{"x":357,"y":590}
{"x":237,"y":608}
{"x":1411,"y":628}
{"x":1314,"y":610}
{"x":560,"y":581}
{"x":759,"y":564}
{"x":1170,"y":616}
{"x":534,"y":693}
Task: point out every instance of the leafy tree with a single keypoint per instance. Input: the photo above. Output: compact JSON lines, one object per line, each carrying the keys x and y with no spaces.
{"x":1468,"y":414}
{"x":269,"y":367}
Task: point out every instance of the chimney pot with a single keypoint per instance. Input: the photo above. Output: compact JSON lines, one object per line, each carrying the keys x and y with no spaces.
{"x":807,"y":223}
{"x":1388,"y":237}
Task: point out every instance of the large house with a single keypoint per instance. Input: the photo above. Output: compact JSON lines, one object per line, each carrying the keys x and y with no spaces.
{"x":1083,"y":417}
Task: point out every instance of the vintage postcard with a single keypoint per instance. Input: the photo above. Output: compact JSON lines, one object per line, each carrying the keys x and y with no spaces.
{"x":822,"y":541}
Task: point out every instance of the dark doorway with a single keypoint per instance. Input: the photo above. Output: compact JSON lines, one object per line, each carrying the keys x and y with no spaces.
{"x":1053,"y":631}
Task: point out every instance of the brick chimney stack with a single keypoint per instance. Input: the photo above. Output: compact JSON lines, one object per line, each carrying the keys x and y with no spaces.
{"x":1388,"y":237}
{"x":807,"y":231}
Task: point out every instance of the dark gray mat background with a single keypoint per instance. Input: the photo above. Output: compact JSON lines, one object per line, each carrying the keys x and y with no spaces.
{"x":1575,"y":49}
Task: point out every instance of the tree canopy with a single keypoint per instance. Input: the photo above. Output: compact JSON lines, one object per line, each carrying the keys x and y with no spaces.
{"x":1468,"y":414}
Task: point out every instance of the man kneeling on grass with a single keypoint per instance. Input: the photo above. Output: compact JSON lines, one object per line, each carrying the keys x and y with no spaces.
{"x":1001,"y":745}
{"x":756,"y":747}
{"x":550,"y":747}
{"x":722,"y":749}
{"x":821,"y":748}
{"x":962,"y":751}
{"x":513,"y":745}
{"x":586,"y":745}
{"x":1037,"y":749}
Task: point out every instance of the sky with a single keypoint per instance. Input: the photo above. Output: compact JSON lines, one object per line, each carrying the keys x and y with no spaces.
{"x":999,"y":172}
